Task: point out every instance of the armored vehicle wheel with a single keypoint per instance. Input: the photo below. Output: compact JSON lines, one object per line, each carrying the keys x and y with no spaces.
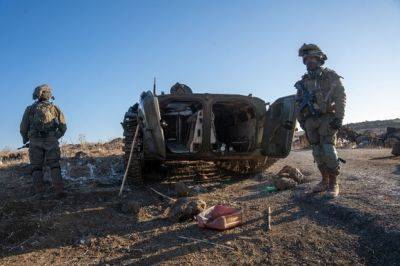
{"x":252,"y":166}
{"x":135,"y":172}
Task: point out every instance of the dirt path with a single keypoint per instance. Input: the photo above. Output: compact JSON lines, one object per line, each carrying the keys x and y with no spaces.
{"x":360,"y":227}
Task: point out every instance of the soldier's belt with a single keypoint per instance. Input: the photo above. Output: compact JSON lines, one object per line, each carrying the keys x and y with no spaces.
{"x":43,"y":134}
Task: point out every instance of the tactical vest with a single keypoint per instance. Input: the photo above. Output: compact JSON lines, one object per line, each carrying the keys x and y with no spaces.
{"x":320,"y":85}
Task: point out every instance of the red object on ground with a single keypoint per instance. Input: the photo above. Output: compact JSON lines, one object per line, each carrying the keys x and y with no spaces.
{"x":220,"y":217}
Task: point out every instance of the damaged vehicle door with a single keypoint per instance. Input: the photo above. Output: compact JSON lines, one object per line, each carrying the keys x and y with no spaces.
{"x":279,"y":127}
{"x":153,"y":135}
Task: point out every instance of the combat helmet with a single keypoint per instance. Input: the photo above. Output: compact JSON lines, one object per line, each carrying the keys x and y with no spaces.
{"x":312,"y":50}
{"x":179,"y":88}
{"x":43,"y":92}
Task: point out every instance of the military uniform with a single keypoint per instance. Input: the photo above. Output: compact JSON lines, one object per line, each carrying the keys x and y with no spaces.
{"x":43,"y":123}
{"x":323,"y":117}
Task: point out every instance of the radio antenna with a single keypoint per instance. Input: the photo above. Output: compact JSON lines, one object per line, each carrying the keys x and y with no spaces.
{"x":154,"y":86}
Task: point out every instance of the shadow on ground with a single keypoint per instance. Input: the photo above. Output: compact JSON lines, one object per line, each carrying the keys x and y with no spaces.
{"x":90,"y":211}
{"x":377,"y":244}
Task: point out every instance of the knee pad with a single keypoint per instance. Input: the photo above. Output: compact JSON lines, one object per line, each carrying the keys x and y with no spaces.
{"x":330,"y":156}
{"x":318,"y":154}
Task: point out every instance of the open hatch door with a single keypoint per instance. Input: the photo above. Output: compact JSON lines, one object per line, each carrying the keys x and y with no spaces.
{"x":279,"y":127}
{"x":153,"y":135}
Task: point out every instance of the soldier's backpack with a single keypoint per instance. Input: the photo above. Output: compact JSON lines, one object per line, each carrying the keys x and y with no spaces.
{"x":43,"y":119}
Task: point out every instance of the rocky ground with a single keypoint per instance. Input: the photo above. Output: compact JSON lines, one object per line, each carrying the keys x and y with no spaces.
{"x":88,"y":227}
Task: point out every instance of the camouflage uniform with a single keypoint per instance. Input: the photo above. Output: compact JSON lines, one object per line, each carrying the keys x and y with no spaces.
{"x":329,"y":100}
{"x":42,"y":125}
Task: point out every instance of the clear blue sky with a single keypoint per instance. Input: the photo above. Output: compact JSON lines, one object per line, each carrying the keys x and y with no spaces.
{"x":99,"y":55}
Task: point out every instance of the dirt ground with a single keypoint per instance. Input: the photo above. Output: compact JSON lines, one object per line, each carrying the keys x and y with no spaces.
{"x":359,"y":227}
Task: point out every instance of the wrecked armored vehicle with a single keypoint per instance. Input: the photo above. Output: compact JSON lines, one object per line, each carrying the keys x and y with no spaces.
{"x":238,"y":133}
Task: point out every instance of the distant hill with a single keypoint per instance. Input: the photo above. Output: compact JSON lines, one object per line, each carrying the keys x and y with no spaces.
{"x":378,"y":126}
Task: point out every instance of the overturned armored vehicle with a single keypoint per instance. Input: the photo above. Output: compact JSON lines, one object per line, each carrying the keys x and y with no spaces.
{"x":238,"y":133}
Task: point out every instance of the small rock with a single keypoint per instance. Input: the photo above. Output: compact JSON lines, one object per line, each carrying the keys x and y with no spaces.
{"x":182,"y":190}
{"x":284,"y":183}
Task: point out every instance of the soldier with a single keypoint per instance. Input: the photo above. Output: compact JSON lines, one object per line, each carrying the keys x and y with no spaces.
{"x":322,"y":114}
{"x":42,"y":125}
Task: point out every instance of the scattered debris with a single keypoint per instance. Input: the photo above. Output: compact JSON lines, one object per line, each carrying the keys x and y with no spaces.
{"x":292,"y":173}
{"x":284,"y":183}
{"x":185,"y":209}
{"x":220,"y":217}
{"x":288,"y":177}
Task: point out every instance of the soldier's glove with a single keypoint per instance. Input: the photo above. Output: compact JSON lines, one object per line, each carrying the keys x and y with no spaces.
{"x":336,"y":123}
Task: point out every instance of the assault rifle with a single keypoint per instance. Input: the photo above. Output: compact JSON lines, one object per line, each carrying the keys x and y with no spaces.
{"x":23,"y":147}
{"x":307,"y":100}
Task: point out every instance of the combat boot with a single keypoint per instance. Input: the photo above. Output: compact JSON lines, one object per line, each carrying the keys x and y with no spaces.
{"x":333,"y":190}
{"x":324,"y":183}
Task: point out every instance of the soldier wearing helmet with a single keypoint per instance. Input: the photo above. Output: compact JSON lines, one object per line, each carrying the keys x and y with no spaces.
{"x":322,"y":115}
{"x":42,"y":125}
{"x":179,"y":88}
